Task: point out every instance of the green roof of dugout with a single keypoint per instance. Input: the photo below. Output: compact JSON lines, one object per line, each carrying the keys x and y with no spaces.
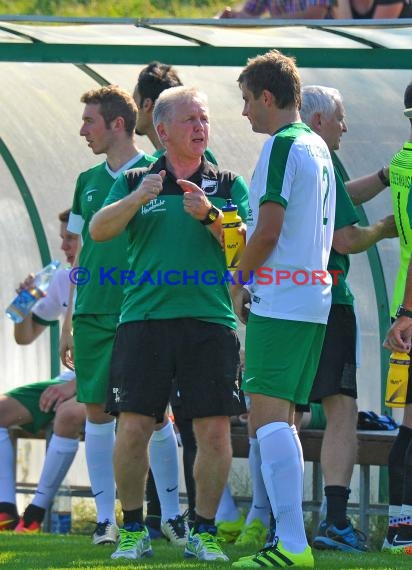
{"x":47,"y":63}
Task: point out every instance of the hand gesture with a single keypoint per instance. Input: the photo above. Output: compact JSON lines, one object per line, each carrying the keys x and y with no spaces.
{"x":195,"y":201}
{"x":150,"y":187}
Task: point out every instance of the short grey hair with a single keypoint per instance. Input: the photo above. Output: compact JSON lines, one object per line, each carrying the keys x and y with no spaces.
{"x":319,"y":99}
{"x":164,"y":106}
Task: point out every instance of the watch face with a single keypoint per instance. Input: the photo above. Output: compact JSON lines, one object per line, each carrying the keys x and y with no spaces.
{"x":213,"y":215}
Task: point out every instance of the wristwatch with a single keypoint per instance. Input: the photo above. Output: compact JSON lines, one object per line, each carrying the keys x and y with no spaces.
{"x":211,"y":217}
{"x":402,"y":312}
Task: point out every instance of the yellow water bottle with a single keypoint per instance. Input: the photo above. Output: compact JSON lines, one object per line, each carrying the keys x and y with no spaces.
{"x":397,"y":382}
{"x":234,"y":242}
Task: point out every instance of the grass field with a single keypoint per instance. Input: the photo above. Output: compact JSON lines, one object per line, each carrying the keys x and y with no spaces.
{"x":54,"y":552}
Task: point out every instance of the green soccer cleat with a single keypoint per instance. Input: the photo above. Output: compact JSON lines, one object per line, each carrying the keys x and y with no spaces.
{"x":277,"y":557}
{"x":253,"y":535}
{"x":230,"y":530}
{"x":205,"y":546}
{"x":133,"y":544}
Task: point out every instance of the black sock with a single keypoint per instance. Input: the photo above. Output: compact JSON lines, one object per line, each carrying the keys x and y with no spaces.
{"x":33,"y":513}
{"x":337,"y":502}
{"x":201,"y":521}
{"x":396,"y":465}
{"x":135,"y":516}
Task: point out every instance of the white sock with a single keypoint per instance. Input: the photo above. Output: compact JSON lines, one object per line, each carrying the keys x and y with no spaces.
{"x":99,"y":443}
{"x":298,"y":444}
{"x":59,"y":456}
{"x":165,"y":468}
{"x":260,"y":508}
{"x":281,"y":470}
{"x":7,"y":474}
{"x":227,"y":510}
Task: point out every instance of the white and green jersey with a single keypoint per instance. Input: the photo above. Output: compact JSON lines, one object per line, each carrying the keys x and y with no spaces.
{"x":99,"y":295}
{"x":295,"y":170}
{"x":177,"y":267}
{"x":400,"y":174}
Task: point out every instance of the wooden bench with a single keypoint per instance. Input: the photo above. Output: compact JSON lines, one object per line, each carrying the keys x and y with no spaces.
{"x":373,"y":449}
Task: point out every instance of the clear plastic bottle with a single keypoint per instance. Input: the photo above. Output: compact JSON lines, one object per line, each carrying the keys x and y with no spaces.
{"x":234,"y":242}
{"x":397,"y":381}
{"x":24,"y":302}
{"x":61,"y":515}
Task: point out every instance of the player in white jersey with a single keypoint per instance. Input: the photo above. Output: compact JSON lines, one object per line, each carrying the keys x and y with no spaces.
{"x":34,"y":406}
{"x":289,"y":237}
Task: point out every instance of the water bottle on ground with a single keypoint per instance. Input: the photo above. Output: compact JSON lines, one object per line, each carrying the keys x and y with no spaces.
{"x":61,"y":516}
{"x":24,"y":302}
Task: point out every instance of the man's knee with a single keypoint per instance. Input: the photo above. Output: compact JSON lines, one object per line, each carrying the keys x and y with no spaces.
{"x":12,"y":412}
{"x":70,"y":417}
{"x":213,"y":434}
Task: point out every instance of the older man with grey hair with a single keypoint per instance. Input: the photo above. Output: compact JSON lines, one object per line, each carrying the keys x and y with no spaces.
{"x":175,"y":323}
{"x":335,"y":381}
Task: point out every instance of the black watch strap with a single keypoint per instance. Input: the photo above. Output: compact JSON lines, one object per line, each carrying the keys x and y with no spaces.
{"x":211,"y":216}
{"x":402,"y":312}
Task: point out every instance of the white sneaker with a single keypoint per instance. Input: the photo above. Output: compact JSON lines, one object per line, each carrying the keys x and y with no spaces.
{"x":204,"y":546}
{"x":176,"y":530}
{"x":133,"y":544}
{"x":105,"y":533}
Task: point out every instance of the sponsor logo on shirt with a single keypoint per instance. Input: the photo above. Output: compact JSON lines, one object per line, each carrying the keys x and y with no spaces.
{"x":89,"y":194}
{"x":153,"y":206}
{"x":209,"y":187}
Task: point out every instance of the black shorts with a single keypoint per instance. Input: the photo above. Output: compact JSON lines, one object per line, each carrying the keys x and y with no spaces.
{"x":202,"y":358}
{"x":337,"y":365}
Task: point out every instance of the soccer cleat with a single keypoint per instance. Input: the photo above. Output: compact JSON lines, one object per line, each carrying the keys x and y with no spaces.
{"x":401,"y":542}
{"x":253,"y":535}
{"x":176,"y":530}
{"x":133,"y":544}
{"x":391,"y":548}
{"x":105,"y":533}
{"x":7,"y":521}
{"x":230,"y":530}
{"x":204,"y":545}
{"x":33,"y":527}
{"x":347,"y":540}
{"x":276,"y":556}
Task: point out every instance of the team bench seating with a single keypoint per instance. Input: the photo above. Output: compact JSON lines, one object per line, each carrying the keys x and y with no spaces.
{"x":373,"y":449}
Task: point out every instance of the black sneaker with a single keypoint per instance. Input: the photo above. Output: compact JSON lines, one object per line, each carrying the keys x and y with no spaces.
{"x":176,"y":530}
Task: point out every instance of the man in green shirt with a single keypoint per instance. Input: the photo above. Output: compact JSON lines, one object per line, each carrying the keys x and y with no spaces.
{"x":335,"y":381}
{"x":177,"y":319}
{"x":108,"y":123}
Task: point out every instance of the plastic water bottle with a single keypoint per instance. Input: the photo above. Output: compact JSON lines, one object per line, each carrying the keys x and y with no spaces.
{"x":397,"y":382}
{"x":21,"y":305}
{"x":61,"y":516}
{"x":234,"y":242}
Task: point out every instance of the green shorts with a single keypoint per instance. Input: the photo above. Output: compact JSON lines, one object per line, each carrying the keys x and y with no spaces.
{"x":282,"y":357}
{"x":29,"y":397}
{"x":93,"y":337}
